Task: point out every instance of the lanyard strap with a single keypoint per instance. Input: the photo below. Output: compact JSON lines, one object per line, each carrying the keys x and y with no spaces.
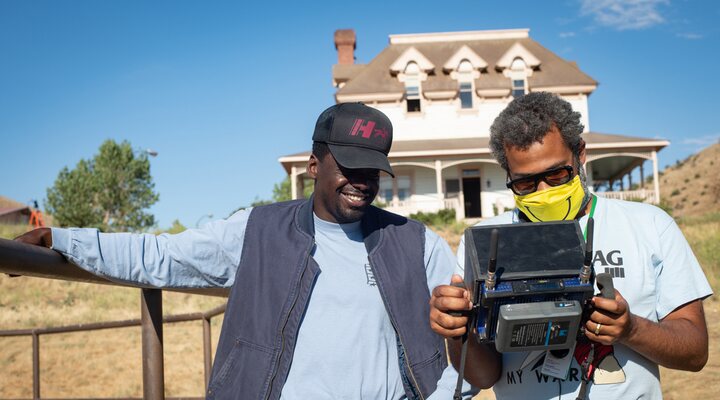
{"x":593,"y":203}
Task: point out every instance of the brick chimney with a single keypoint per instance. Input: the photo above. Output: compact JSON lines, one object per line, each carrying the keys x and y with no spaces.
{"x":345,"y":46}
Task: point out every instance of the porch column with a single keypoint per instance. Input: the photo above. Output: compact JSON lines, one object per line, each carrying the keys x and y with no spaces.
{"x":438,"y":183}
{"x":656,"y":179}
{"x":396,"y":198}
{"x":642,"y":176}
{"x":293,"y":183}
{"x":300,"y":182}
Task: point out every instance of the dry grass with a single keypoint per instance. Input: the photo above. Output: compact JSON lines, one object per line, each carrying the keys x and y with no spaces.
{"x":107,"y":363}
{"x":99,"y":363}
{"x":692,"y":186}
{"x":10,"y":231}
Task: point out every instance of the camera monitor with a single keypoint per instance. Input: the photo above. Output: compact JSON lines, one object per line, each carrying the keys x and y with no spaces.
{"x":527,"y":283}
{"x":525,"y":250}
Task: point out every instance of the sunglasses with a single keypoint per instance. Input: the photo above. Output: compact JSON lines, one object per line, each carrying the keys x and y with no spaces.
{"x":529,"y":184}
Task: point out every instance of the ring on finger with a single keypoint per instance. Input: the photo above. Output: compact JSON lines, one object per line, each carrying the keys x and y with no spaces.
{"x":597,"y":329}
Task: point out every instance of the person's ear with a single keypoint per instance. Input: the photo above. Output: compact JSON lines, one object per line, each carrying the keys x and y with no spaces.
{"x":312,"y":166}
{"x":582,"y":154}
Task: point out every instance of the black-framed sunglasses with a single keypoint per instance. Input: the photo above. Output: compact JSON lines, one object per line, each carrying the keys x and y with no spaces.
{"x":529,"y":184}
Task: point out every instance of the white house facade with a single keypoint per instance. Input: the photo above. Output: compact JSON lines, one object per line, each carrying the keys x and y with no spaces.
{"x":442,"y":92}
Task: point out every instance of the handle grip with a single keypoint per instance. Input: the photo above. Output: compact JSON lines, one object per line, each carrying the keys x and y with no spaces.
{"x":460,"y":285}
{"x":605,"y":283}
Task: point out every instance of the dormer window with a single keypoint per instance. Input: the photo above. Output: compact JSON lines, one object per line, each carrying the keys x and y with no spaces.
{"x":412,"y":87}
{"x":518,"y":75}
{"x":518,"y":64}
{"x":465,"y":81}
{"x":518,"y":88}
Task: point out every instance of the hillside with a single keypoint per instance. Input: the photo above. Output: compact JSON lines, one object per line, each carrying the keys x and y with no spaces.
{"x":692,"y":187}
{"x":6,"y":202}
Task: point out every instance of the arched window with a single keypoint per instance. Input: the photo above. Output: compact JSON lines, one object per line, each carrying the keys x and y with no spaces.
{"x":518,"y":75}
{"x":465,"y":82}
{"x":412,"y":87}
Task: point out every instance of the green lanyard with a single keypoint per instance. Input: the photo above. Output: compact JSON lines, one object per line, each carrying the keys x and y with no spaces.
{"x":592,"y":212}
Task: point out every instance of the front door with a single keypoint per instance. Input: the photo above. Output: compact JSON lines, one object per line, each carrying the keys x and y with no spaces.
{"x":471,"y":193}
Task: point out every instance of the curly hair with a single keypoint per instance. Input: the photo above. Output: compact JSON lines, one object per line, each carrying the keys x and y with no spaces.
{"x":527,"y":120}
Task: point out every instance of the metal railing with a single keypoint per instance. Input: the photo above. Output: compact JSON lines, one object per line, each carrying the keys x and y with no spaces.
{"x":19,"y":259}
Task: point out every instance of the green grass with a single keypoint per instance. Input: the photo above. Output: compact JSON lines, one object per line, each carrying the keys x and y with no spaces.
{"x":703,"y":234}
{"x":12,"y":231}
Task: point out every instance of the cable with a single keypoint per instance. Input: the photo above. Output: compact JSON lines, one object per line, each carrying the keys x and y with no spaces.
{"x":559,"y":389}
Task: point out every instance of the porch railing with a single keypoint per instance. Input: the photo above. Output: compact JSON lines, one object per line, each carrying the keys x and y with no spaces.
{"x":18,"y":259}
{"x":644,"y":195}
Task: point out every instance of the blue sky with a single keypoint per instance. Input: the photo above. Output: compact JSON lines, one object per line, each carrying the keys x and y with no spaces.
{"x":222,"y":89}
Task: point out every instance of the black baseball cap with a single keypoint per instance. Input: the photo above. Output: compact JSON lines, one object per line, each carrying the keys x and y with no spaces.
{"x":358,"y":136}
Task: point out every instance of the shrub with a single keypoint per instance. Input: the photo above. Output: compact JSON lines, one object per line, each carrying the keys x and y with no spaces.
{"x":442,"y":217}
{"x":675,"y":192}
{"x":666,"y":206}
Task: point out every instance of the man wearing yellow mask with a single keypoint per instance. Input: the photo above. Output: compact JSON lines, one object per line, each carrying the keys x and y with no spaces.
{"x":656,"y":317}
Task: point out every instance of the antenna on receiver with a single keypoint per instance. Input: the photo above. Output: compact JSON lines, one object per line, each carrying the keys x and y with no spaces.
{"x":586,"y":270}
{"x":492,"y":262}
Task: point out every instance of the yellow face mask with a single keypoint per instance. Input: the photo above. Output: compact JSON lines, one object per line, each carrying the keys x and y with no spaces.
{"x":554,"y":203}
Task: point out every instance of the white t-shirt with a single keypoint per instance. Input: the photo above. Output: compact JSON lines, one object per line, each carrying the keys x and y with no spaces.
{"x":653,"y":268}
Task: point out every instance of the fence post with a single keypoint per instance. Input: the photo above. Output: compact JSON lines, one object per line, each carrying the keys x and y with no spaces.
{"x":36,"y":364}
{"x":152,"y":344}
{"x":207,"y":350}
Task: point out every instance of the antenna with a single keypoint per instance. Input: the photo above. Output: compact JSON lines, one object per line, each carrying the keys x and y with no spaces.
{"x":490,"y":283}
{"x":586,"y":270}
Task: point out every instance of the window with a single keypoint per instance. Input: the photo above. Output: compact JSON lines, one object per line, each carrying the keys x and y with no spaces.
{"x":518,"y":87}
{"x":403,"y":186}
{"x":412,"y":87}
{"x":452,"y":187}
{"x":465,"y":78}
{"x":518,"y":74}
{"x":386,"y":189}
{"x":412,"y":94}
{"x":466,"y":95}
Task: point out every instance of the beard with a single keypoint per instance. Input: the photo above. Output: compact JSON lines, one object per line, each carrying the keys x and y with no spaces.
{"x":583,"y":182}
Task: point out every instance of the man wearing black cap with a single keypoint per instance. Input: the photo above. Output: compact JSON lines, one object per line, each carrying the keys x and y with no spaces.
{"x":329,"y":295}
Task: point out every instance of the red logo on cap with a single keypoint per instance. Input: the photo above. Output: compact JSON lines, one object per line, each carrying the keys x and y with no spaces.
{"x":367,"y":129}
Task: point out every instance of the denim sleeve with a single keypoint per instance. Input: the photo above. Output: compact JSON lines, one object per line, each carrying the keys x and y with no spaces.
{"x":195,"y":258}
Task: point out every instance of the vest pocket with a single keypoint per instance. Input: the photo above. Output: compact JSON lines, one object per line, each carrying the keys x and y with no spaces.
{"x":428,"y":371}
{"x":244,"y":372}
{"x":428,"y":362}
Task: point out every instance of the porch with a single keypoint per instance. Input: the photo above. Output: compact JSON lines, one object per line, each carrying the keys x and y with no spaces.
{"x":460,"y":174}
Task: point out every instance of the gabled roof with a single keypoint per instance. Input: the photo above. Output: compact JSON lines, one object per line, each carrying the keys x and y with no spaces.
{"x":465,"y":53}
{"x":11,"y":210}
{"x":376,"y":77}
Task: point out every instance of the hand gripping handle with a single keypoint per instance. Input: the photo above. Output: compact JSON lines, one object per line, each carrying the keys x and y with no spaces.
{"x":460,"y":285}
{"x":605,"y":283}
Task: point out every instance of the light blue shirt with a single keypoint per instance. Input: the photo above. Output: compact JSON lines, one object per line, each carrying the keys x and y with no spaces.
{"x":346,"y":346}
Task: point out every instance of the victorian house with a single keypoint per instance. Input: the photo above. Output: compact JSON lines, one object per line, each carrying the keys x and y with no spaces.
{"x":442,"y":92}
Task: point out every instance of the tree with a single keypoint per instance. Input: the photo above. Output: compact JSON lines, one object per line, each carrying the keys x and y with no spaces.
{"x":281,"y":191}
{"x":175,"y":228}
{"x":109,"y":192}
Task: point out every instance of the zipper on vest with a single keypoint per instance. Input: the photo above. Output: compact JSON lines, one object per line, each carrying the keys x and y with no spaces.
{"x":282,"y":328}
{"x":397,"y":332}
